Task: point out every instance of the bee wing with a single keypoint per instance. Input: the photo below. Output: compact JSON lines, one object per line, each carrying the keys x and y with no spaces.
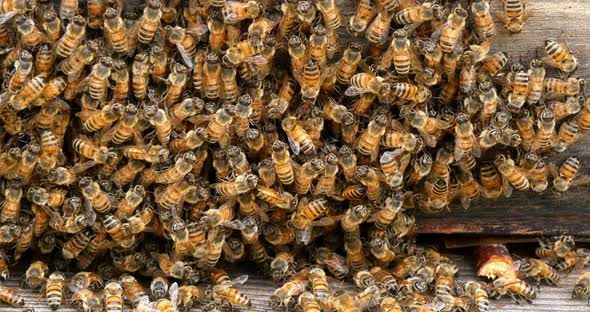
{"x":354,"y":91}
{"x":232,"y":18}
{"x":476,"y":151}
{"x":325,"y":221}
{"x":239,"y":280}
{"x":186,"y":58}
{"x":198,"y":119}
{"x":90,"y":217}
{"x":234,"y":225}
{"x":81,"y":167}
{"x":256,"y":59}
{"x":198,"y":30}
{"x":53,"y":214}
{"x":506,"y":187}
{"x":7,"y":17}
{"x":173,"y":291}
{"x":553,"y":170}
{"x":295,"y":147}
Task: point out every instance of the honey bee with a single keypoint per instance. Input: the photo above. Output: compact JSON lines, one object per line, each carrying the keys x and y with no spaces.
{"x":149,"y":22}
{"x":566,"y":136}
{"x":29,"y":33}
{"x":246,"y":51}
{"x":484,"y":24}
{"x":492,"y":64}
{"x":189,"y":295}
{"x":378,"y":31}
{"x":556,"y":87}
{"x":295,"y":286}
{"x":417,"y":14}
{"x":120,"y":75}
{"x":520,"y":87}
{"x":559,"y":56}
{"x":177,"y":80}
{"x":35,"y":274}
{"x":546,"y":131}
{"x":306,"y":13}
{"x":563,"y":109}
{"x":564,"y":176}
{"x":54,"y":289}
{"x":359,"y":22}
{"x":83,"y":55}
{"x":242,"y":184}
{"x":299,"y":139}
{"x":160,"y":120}
{"x":86,"y":300}
{"x":11,"y":296}
{"x":536,"y":83}
{"x":30,"y":91}
{"x":23,"y":68}
{"x":68,"y":9}
{"x":113,"y":296}
{"x":99,"y":200}
{"x":511,"y":175}
{"x":582,"y":287}
{"x":12,"y":202}
{"x":140,"y":75}
{"x":159,"y":287}
{"x":4,"y":270}
{"x":453,"y":29}
{"x":515,"y":288}
{"x":539,"y":270}
{"x":514,"y":15}
{"x":71,"y":39}
{"x":317,"y":46}
{"x":115,"y":31}
{"x":437,"y":194}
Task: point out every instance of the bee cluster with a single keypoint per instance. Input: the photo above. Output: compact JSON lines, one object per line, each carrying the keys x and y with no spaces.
{"x":191,"y":135}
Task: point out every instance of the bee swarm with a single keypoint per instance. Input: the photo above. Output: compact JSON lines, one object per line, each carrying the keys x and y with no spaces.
{"x":171,"y":143}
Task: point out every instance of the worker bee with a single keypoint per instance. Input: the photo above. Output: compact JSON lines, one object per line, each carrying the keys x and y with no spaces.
{"x":54,"y":289}
{"x":417,"y":14}
{"x":23,"y":68}
{"x":559,"y":56}
{"x":160,"y":120}
{"x":539,"y":271}
{"x":564,"y":176}
{"x":35,"y":274}
{"x":515,"y":288}
{"x":514,"y":15}
{"x":30,"y":91}
{"x":113,"y":296}
{"x":242,"y":184}
{"x":149,"y":22}
{"x":99,"y":200}
{"x":177,"y":80}
{"x":557,"y":88}
{"x":295,"y":286}
{"x":30,"y":35}
{"x":71,"y":39}
{"x":484,"y":24}
{"x":378,"y":30}
{"x":453,"y":29}
{"x":546,"y":132}
{"x":11,"y":296}
{"x":582,"y":287}
{"x":299,"y":139}
{"x":83,"y":55}
{"x":140,"y":75}
{"x":520,"y":87}
{"x":115,"y":31}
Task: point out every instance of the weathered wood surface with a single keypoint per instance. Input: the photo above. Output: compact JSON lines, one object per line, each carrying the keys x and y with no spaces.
{"x":550,"y":299}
